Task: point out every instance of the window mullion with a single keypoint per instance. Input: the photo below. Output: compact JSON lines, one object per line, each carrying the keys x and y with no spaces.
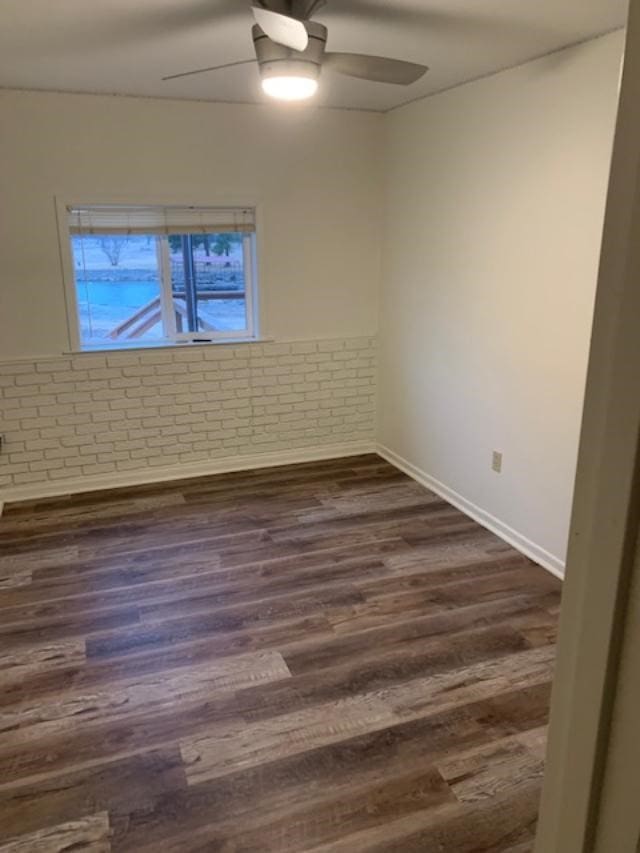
{"x":191,"y":297}
{"x":166,"y":289}
{"x":249,"y":283}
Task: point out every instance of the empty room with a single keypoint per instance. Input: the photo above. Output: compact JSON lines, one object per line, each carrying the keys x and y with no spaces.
{"x":296,"y":305}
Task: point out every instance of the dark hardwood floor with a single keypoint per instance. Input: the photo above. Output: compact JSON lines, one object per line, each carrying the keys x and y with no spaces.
{"x":318,"y":657}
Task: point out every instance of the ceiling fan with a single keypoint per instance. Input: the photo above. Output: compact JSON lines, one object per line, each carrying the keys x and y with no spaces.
{"x":290,"y":52}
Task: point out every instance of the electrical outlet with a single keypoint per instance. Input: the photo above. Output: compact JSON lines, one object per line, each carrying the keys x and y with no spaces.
{"x":496,"y":462}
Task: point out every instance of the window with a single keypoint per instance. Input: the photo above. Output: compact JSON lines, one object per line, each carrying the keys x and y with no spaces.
{"x":157,"y":275}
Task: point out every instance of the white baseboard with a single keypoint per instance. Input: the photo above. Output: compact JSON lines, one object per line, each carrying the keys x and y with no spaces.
{"x":246,"y":462}
{"x":181,"y":472}
{"x":539,"y":555}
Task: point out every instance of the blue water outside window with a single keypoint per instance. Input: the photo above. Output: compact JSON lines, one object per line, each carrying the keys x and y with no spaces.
{"x":118,"y":289}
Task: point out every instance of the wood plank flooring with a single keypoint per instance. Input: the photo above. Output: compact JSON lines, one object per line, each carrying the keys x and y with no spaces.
{"x":321,"y":657}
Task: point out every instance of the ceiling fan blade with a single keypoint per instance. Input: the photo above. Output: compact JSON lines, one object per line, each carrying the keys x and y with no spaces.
{"x":376,"y":68}
{"x":210,"y":68}
{"x":282,"y":29}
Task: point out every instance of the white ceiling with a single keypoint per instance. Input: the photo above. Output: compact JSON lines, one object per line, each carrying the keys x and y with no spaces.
{"x":126,"y":46}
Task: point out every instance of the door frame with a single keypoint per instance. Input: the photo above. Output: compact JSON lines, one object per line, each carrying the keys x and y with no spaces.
{"x":606,"y":509}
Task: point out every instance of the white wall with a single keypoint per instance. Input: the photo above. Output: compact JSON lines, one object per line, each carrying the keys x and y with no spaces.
{"x":315,"y":174}
{"x":495,"y":201}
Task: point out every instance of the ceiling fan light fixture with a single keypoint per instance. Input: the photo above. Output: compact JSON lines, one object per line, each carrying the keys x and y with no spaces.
{"x":290,"y":87}
{"x":289,"y":79}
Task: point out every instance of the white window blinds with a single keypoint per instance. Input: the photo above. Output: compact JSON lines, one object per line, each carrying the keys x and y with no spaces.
{"x":111,"y":219}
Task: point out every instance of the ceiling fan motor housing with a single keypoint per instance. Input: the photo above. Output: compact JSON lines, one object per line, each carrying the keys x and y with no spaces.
{"x":275,"y":60}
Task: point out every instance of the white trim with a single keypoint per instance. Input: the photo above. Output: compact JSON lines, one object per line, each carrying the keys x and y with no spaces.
{"x":260,"y":339}
{"x":119,"y":479}
{"x":123,"y":346}
{"x":166,"y":300}
{"x":250,"y":282}
{"x":68,"y":276}
{"x":535,"y":552}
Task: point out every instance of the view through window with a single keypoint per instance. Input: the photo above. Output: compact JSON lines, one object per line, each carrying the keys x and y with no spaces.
{"x":136,"y":287}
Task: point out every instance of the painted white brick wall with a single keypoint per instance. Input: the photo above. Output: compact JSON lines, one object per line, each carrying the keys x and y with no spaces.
{"x":87,"y":415}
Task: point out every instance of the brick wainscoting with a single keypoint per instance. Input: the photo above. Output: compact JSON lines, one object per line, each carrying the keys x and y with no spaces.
{"x":130,"y":416}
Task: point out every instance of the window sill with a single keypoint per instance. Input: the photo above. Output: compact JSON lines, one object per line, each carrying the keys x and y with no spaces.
{"x":169,"y":345}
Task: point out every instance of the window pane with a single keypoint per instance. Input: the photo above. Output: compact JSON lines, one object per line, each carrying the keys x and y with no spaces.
{"x":117,"y":288}
{"x":208,"y":282}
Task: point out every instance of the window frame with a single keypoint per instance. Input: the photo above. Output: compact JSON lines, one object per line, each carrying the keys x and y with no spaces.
{"x":251,"y":252}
